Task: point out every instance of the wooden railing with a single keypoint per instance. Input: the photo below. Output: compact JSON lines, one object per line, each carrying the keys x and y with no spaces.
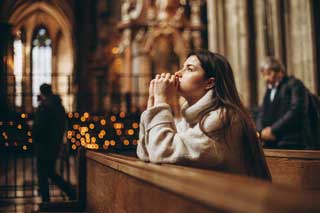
{"x":117,"y":183}
{"x":295,"y":168}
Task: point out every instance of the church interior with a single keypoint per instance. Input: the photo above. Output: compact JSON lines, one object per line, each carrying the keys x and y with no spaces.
{"x":99,"y":56}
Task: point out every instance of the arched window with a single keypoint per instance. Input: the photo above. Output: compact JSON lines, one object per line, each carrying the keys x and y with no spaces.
{"x":41,"y":62}
{"x":18,"y":58}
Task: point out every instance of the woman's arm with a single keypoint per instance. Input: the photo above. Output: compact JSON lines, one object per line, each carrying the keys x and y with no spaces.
{"x":165,"y":145}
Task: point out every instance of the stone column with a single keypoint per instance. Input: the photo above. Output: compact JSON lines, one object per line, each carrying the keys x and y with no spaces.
{"x":196,"y":24}
{"x":301,"y":59}
{"x":125,"y":78}
{"x":5,"y":30}
{"x":216,"y":29}
{"x":237,"y":44}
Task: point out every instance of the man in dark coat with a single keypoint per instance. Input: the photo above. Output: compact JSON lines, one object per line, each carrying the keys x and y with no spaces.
{"x":48,"y":130}
{"x":282,"y":118}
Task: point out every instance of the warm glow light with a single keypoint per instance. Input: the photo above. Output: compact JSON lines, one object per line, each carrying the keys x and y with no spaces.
{"x":91,"y":126}
{"x":112,"y":143}
{"x":135,"y":125}
{"x":95,"y":118}
{"x":74,"y":147}
{"x":103,"y":122}
{"x":118,"y":132}
{"x":126,"y":142}
{"x":75,"y":126}
{"x":76,"y":115}
{"x":118,"y":125}
{"x":106,"y":142}
{"x":78,"y":143}
{"x":1,"y":123}
{"x":122,"y":114}
{"x":87,"y":135}
{"x":103,"y":132}
{"x":105,"y":146}
{"x":86,"y":115}
{"x":83,"y":119}
{"x":83,"y":140}
{"x":29,"y":133}
{"x":83,"y":143}
{"x":134,"y":142}
{"x":93,"y":139}
{"x":87,"y":140}
{"x":70,"y":115}
{"x":73,"y":140}
{"x":24,"y":147}
{"x":78,"y":136}
{"x":30,"y":140}
{"x":115,"y":50}
{"x":100,"y":136}
{"x":23,"y":115}
{"x":130,"y":132}
{"x":113,"y":118}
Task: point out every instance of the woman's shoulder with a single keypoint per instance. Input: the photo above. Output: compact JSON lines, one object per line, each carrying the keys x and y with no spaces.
{"x":213,"y":119}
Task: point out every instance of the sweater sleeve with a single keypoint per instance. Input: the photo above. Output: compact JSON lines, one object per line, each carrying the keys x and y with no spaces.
{"x":164,"y":144}
{"x":141,"y":148}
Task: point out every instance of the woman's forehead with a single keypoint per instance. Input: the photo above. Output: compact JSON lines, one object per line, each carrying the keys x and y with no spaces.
{"x":192,"y":60}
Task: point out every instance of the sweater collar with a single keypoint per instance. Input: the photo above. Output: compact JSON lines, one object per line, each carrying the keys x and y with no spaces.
{"x":192,"y":113}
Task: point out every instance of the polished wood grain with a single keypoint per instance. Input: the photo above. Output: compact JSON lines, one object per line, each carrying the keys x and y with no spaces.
{"x":117,"y":183}
{"x":295,"y":168}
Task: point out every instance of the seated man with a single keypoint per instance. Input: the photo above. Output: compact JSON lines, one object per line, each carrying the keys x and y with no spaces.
{"x":282,"y":118}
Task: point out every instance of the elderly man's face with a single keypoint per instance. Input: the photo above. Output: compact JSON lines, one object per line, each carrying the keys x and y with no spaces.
{"x":271,"y":77}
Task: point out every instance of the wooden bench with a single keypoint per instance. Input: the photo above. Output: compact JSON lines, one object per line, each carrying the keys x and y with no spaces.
{"x":295,"y":168}
{"x":117,"y":183}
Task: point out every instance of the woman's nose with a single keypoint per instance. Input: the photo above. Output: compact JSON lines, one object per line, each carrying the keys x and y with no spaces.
{"x":178,"y":73}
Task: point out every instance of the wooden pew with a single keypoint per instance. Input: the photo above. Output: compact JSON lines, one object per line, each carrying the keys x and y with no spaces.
{"x":117,"y":183}
{"x":295,"y":168}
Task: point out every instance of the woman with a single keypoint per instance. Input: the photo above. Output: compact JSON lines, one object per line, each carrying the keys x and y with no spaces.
{"x":216,"y":131}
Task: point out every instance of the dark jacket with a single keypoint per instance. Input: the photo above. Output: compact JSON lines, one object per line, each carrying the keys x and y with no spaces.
{"x":48,"y":128}
{"x":286,"y":114}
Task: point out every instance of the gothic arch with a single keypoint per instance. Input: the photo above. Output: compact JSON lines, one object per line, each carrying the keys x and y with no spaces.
{"x":54,"y":17}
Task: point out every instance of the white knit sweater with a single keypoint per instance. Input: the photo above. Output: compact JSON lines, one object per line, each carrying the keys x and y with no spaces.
{"x":161,"y":140}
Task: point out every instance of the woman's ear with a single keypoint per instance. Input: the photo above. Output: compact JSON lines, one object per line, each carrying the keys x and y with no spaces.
{"x":209,"y":84}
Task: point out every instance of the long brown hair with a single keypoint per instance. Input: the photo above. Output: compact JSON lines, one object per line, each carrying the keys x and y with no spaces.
{"x":227,"y":97}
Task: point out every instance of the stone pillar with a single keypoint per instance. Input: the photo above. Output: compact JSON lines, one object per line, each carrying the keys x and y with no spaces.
{"x":5,"y":30}
{"x":237,"y":44}
{"x":216,"y":27}
{"x":125,"y":78}
{"x":301,"y":59}
{"x":196,"y":24}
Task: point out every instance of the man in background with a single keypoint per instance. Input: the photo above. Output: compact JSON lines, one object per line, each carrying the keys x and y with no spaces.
{"x":48,"y":130}
{"x":282,"y":118}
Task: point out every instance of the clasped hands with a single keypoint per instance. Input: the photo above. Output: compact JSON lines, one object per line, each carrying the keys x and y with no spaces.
{"x":162,"y":89}
{"x":267,"y":134}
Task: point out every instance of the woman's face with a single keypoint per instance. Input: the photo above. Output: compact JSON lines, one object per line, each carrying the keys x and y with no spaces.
{"x":191,"y":78}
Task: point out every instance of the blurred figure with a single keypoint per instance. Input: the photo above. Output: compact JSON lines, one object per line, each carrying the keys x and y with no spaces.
{"x":48,"y":131}
{"x":282,"y":118}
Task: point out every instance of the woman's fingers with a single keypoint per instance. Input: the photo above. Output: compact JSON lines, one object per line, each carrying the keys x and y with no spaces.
{"x":167,"y":76}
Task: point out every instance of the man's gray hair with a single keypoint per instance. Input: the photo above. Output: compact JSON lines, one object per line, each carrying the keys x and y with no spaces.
{"x":271,"y":63}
